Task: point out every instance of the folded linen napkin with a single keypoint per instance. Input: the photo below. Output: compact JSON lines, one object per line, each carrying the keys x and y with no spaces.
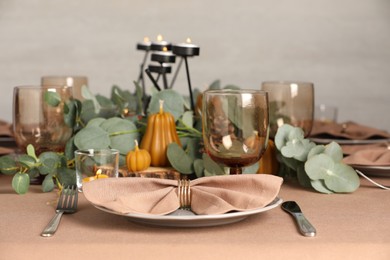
{"x":353,"y":148}
{"x":209,"y":195}
{"x":347,"y":130}
{"x":373,"y":157}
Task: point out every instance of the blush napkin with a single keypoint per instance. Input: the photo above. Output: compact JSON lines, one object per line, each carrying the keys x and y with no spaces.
{"x":372,"y":157}
{"x":209,"y":195}
{"x":347,"y":130}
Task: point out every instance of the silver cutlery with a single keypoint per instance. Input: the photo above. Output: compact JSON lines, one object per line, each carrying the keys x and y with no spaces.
{"x":305,"y":227}
{"x":67,"y":203}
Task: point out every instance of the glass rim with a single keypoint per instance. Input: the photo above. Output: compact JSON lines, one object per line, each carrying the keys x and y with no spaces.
{"x":235,"y":91}
{"x":42,"y":87}
{"x":287,"y":82}
{"x":64,"y":76}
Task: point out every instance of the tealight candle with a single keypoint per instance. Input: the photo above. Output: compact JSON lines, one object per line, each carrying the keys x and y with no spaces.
{"x":161,"y":69}
{"x":160,"y":44}
{"x":186,"y":49}
{"x":163,"y":56}
{"x":145,"y":45}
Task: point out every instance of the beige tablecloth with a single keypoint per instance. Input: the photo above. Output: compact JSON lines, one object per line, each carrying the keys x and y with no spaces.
{"x":349,"y":226}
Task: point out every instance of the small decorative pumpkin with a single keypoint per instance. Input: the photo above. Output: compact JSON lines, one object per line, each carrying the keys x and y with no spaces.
{"x":138,"y":159}
{"x":160,"y":132}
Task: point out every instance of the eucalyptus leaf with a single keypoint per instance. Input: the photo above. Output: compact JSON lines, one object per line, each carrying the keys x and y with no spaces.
{"x":52,"y":98}
{"x":88,"y":111}
{"x":21,"y":183}
{"x":70,"y":148}
{"x":211,"y":167}
{"x":334,"y":150}
{"x":344,"y":179}
{"x":188,"y":119}
{"x":96,"y":121}
{"x":92,"y":137}
{"x":88,"y":95}
{"x":179,"y":159}
{"x":49,"y":162}
{"x":319,"y":185}
{"x":230,"y":86}
{"x":31,"y":151}
{"x":104,"y":101}
{"x":319,"y":166}
{"x":318,"y":149}
{"x":70,"y":112}
{"x":27,"y":160}
{"x":33,"y":173}
{"x":282,"y":136}
{"x":66,"y":176}
{"x":48,"y":183}
{"x":199,"y":168}
{"x":8,"y":165}
{"x":122,"y":134}
{"x":173,"y":103}
{"x":193,"y":148}
{"x":215,"y":85}
{"x":303,"y":179}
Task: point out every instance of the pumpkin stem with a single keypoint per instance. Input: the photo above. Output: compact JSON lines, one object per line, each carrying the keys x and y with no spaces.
{"x":161,"y":106}
{"x":136,"y":145}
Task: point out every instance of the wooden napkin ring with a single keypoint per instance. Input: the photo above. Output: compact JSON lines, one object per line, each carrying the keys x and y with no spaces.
{"x":184,"y":194}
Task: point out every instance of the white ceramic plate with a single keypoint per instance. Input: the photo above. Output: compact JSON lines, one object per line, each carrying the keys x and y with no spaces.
{"x":178,"y":220}
{"x":348,"y":141}
{"x":369,"y":170}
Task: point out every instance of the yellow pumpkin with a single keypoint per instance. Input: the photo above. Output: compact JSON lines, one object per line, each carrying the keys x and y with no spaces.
{"x":138,"y":159}
{"x":160,"y":132}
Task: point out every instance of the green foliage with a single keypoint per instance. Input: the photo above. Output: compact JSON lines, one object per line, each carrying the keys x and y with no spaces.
{"x":173,"y":103}
{"x":316,"y":166}
{"x":21,"y":182}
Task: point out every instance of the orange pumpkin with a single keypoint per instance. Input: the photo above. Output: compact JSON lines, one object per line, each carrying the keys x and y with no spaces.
{"x":160,"y":132}
{"x":138,"y":159}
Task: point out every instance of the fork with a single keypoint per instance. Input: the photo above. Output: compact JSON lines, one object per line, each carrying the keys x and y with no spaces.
{"x":67,"y":203}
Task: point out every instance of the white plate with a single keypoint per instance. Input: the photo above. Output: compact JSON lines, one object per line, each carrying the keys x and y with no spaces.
{"x":370,"y":170}
{"x":176,"y":220}
{"x":348,"y":141}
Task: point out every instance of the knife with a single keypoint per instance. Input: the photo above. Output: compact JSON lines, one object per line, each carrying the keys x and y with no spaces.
{"x":305,"y":227}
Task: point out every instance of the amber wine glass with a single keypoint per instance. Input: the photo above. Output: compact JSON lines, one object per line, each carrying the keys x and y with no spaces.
{"x":290,"y":102}
{"x":235,"y":126}
{"x":37,"y":122}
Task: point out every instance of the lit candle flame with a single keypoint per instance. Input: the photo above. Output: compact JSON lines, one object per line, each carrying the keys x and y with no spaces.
{"x":188,"y":40}
{"x":146,"y":39}
{"x":159,"y":38}
{"x":165,"y":49}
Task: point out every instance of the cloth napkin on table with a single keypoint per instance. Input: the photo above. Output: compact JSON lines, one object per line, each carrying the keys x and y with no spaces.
{"x":379,"y":156}
{"x":347,"y":130}
{"x":209,"y":195}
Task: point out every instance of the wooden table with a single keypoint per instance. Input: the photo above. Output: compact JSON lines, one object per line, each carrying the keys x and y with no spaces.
{"x":349,"y":226}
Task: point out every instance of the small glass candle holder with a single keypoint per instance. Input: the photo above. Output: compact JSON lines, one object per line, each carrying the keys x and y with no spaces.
{"x":92,"y":164}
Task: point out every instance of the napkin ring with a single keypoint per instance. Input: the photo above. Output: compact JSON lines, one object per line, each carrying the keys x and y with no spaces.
{"x":184,"y":194}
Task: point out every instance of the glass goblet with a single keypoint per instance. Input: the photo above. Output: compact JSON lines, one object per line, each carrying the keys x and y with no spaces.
{"x":290,"y":102}
{"x":76,"y":82}
{"x":39,"y":123}
{"x":235,"y":126}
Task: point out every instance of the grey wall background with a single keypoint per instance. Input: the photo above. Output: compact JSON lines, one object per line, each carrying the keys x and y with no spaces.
{"x":343,"y":46}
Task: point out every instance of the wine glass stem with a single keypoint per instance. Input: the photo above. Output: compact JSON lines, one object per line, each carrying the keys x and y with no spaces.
{"x":235,"y":170}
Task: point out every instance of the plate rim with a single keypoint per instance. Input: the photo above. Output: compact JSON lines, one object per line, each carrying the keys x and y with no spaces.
{"x":188,"y":219}
{"x":348,"y":141}
{"x":373,"y":170}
